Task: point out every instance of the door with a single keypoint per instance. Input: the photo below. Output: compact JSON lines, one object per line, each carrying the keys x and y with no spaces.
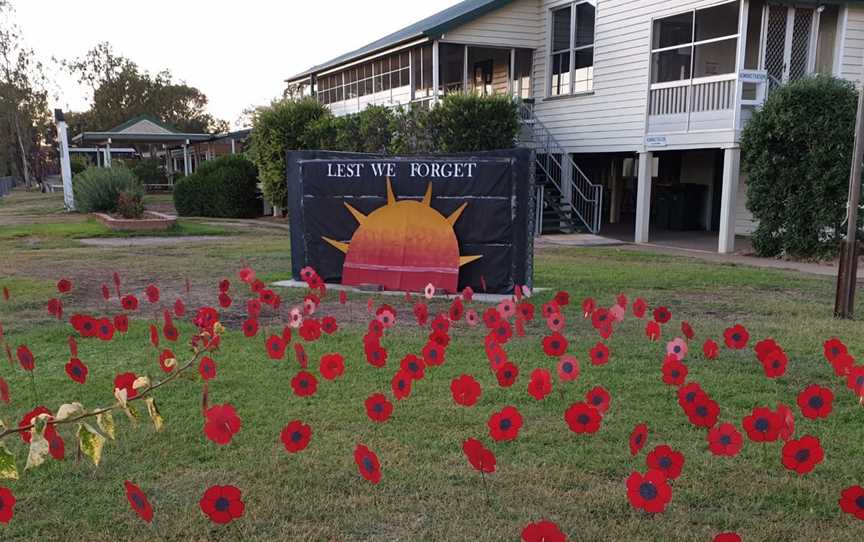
{"x":483,"y":77}
{"x":788,"y":42}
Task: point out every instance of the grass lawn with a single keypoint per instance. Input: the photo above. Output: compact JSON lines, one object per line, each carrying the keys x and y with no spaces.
{"x":428,"y":491}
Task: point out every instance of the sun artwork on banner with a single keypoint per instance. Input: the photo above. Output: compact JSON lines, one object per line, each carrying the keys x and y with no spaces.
{"x":404,"y":245}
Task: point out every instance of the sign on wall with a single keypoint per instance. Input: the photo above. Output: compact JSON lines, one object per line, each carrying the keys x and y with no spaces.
{"x":402,"y":222}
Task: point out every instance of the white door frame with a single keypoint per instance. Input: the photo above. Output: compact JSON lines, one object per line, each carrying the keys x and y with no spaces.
{"x":787,"y":45}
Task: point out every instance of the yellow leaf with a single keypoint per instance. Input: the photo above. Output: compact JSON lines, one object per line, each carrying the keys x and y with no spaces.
{"x":69,"y":410}
{"x":158,"y":422}
{"x":132,"y":414}
{"x":140,"y":382}
{"x":8,"y":468}
{"x":39,"y":447}
{"x":121,"y":394}
{"x":91,"y":442}
{"x":105,"y":421}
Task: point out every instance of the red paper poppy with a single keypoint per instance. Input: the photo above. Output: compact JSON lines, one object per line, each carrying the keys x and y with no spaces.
{"x":588,"y":306}
{"x":304,"y":384}
{"x":225,"y":300}
{"x":598,"y":398}
{"x":639,"y":307}
{"x":207,"y":368}
{"x":466,"y":390}
{"x":650,"y":492}
{"x":28,"y":419}
{"x":543,"y":531}
{"x":310,"y":330}
{"x":725,"y":439}
{"x":154,"y":336}
{"x":64,"y":286}
{"x":367,"y":464}
{"x":704,"y":412}
{"x":815,"y":401}
{"x":562,"y":298}
{"x":124,"y":381}
{"x":152,"y":293}
{"x":507,"y":374}
{"x":121,"y":323}
{"x":250,"y":327}
{"x":421,"y":313}
{"x":851,"y":501}
{"x":687,"y":330}
{"x":138,"y":501}
{"x":495,"y":353}
{"x":275,"y":347}
{"x":638,"y":438}
{"x":440,"y":338}
{"x":104,"y":329}
{"x":56,"y":445}
{"x":433,"y":354}
{"x":376,"y":329}
{"x":525,"y":310}
{"x":787,"y":421}
{"x":505,"y":425}
{"x":268,"y":297}
{"x":568,"y":368}
{"x":833,"y":348}
{"x":129,"y":302}
{"x":164,"y":356}
{"x":457,"y":309}
{"x":300,"y":355}
{"x":710,"y":349}
{"x":25,"y":358}
{"x":222,"y":504}
{"x":329,"y":325}
{"x":76,"y":370}
{"x":222,"y":423}
{"x":7,"y":501}
{"x":502,"y":331}
{"x":601,"y":318}
{"x":296,"y":436}
{"x":491,"y":317}
{"x":774,"y":363}
{"x":401,"y":385}
{"x":667,"y":460}
{"x":736,"y":337}
{"x":540,"y":384}
{"x":689,"y":395}
{"x":4,"y":390}
{"x":331,"y":366}
{"x":376,"y":355}
{"x":5,"y":293}
{"x":179,"y":308}
{"x":555,"y":345}
{"x":855,"y":380}
{"x":662,"y":315}
{"x":55,"y":308}
{"x":727,"y":536}
{"x":842,"y":364}
{"x":247,"y":275}
{"x":481,"y":458}
{"x":170,"y":332}
{"x":674,"y":371}
{"x":802,"y":455}
{"x":378,"y":407}
{"x":583,"y":418}
{"x":414,"y":366}
{"x":599,"y":354}
{"x":652,"y":330}
{"x":762,"y":425}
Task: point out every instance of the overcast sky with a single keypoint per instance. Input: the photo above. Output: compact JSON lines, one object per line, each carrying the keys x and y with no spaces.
{"x":237,"y":52}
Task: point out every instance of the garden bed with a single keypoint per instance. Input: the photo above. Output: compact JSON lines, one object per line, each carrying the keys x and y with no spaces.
{"x":151,"y":221}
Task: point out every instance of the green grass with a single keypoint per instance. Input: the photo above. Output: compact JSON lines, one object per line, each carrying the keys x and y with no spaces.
{"x":428,"y":492}
{"x":91,"y":227}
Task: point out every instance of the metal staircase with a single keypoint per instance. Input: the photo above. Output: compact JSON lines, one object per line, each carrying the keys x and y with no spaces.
{"x":568,"y":202}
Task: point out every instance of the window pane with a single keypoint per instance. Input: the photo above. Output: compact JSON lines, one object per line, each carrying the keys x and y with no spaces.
{"x":427,"y":67}
{"x":717,"y":21}
{"x":673,"y":30}
{"x":405,"y":77}
{"x":584,"y":25}
{"x":560,"y":74}
{"x":671,"y":65}
{"x":715,"y":58}
{"x":386,"y":81}
{"x":583,"y":74}
{"x":561,"y":29}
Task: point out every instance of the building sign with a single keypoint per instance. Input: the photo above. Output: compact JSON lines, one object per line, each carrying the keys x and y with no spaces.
{"x":406,"y":221}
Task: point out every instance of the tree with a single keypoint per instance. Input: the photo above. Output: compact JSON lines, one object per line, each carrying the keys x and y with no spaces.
{"x":796,"y":152}
{"x":25,"y":121}
{"x":121,"y":91}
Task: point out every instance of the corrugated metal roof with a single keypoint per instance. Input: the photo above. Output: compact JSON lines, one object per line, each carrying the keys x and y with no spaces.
{"x":431,"y":27}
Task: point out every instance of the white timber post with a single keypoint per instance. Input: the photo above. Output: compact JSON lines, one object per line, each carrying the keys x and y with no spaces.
{"x":436,"y":73}
{"x":643,"y":197}
{"x":514,"y":85}
{"x":465,"y":70}
{"x":108,"y":153}
{"x":186,"y":158}
{"x":233,"y":146}
{"x":729,"y":199}
{"x":65,"y":166}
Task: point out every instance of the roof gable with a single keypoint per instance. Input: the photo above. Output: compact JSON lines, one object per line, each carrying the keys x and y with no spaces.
{"x":143,"y":124}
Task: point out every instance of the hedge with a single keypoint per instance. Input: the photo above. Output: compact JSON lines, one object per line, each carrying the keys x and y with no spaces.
{"x":225,"y":188}
{"x":96,"y":189}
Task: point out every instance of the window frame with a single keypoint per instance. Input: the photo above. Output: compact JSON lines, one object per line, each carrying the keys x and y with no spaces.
{"x":571,"y":51}
{"x":692,"y":45}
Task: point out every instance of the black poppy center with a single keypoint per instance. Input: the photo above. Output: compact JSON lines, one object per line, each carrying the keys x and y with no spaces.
{"x":304,"y":383}
{"x":802,"y":455}
{"x":596,"y":400}
{"x":222,"y":504}
{"x":638,"y":439}
{"x":508,"y":375}
{"x":859,"y":382}
{"x":505,"y":424}
{"x":690,"y":396}
{"x":816,"y":402}
{"x":647,"y":491}
{"x":676,"y":349}
{"x":137,"y":500}
{"x":675,"y":373}
{"x":76,"y":370}
{"x":859,"y":502}
{"x":736,"y":337}
{"x":665,"y":462}
{"x":583,"y":419}
{"x":555,"y":345}
{"x":378,"y":408}
{"x":368,"y":465}
{"x":296,"y":436}
{"x":835,"y":351}
{"x":433,"y":353}
{"x":401,"y":384}
{"x":568,"y":367}
{"x":725,"y":440}
{"x":413,"y":367}
{"x":701,"y":411}
{"x":762,"y":425}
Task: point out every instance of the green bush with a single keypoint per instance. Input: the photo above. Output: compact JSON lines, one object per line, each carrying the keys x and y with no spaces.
{"x":224,"y":188}
{"x":78,"y":164}
{"x":796,"y":153}
{"x":276,"y":130}
{"x":97,"y":189}
{"x":130,"y":205}
{"x":411,"y":133}
{"x":148,"y":171}
{"x":467,"y":123}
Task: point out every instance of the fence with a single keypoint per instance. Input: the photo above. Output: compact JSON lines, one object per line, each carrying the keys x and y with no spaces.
{"x":6,"y":184}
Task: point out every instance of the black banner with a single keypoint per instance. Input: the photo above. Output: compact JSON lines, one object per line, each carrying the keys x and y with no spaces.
{"x":494,"y":188}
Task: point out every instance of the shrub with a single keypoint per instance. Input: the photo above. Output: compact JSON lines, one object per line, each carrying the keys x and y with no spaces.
{"x":130,"y":205}
{"x":796,"y":152}
{"x":466,"y":123}
{"x":411,"y":133}
{"x":148,"y":171}
{"x":97,"y":189}
{"x":224,"y":188}
{"x":78,"y":164}
{"x":277,"y":129}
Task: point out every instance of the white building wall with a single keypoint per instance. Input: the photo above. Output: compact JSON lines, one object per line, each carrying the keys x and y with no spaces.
{"x":744,"y":223}
{"x":852,"y":39}
{"x":517,"y":24}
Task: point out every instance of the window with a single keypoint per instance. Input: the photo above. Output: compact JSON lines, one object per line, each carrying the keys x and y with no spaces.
{"x":699,"y":43}
{"x":379,"y":75}
{"x":571,"y":57}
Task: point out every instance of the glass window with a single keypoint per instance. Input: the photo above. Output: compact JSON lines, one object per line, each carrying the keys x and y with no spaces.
{"x":572,"y":49}
{"x":671,"y":65}
{"x":717,"y":21}
{"x":675,"y":30}
{"x":561,"y":29}
{"x":584,"y":33}
{"x":715,"y":58}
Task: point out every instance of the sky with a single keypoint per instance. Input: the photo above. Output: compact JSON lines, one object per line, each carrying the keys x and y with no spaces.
{"x":237,"y":52}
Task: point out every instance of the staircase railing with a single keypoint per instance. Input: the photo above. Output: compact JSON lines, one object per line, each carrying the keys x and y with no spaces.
{"x":585,"y":201}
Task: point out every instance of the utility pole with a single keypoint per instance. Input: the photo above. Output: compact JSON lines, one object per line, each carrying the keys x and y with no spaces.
{"x":844,"y":305}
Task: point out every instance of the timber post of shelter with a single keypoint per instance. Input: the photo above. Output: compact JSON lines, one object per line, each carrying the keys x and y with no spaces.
{"x":65,"y":165}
